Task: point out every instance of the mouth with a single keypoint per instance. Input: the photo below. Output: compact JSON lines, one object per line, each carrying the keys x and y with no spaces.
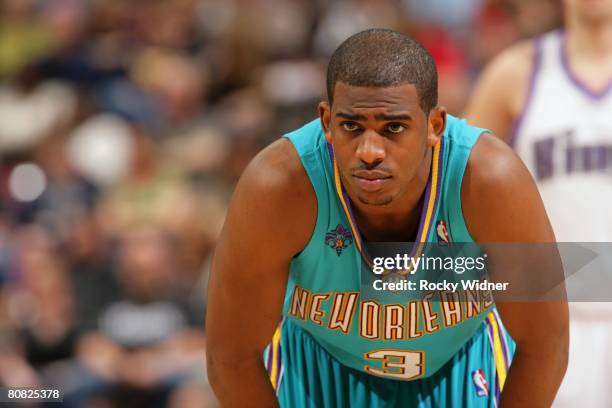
{"x":371,"y":183}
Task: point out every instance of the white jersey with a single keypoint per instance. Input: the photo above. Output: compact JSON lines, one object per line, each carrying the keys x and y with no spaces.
{"x":564,"y":136}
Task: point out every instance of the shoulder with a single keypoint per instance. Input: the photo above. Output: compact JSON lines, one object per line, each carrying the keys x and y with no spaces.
{"x":512,"y":67}
{"x":274,"y":196}
{"x":499,"y":196}
{"x":502,"y":88}
{"x":275,"y":169}
{"x":510,"y":72}
{"x":515,"y":62}
{"x":491,"y":164}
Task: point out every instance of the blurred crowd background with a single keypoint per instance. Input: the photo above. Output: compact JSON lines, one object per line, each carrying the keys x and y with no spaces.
{"x":124,"y":126}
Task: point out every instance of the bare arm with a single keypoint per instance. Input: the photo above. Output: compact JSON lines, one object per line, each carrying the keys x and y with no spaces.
{"x":502,"y":90}
{"x":502,"y":204}
{"x":271,"y":218}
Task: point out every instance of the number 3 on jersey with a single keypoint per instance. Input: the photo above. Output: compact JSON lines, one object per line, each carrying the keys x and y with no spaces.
{"x":399,"y":364}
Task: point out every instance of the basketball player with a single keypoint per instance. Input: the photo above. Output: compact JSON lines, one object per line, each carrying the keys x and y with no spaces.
{"x":551,"y":99}
{"x":383,"y":162}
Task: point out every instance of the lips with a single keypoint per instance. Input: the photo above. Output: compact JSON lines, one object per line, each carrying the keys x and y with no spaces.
{"x":371,"y":174}
{"x":371,"y":180}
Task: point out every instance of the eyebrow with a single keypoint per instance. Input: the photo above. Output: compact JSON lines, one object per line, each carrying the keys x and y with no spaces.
{"x":384,"y":117}
{"x":350,"y":116}
{"x":381,"y":117}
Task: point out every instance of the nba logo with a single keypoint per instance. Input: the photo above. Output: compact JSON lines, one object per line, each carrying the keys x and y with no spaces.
{"x":442,"y":232}
{"x":480,"y":382}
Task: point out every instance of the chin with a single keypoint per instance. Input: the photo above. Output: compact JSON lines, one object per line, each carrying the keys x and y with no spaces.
{"x":378,"y":200}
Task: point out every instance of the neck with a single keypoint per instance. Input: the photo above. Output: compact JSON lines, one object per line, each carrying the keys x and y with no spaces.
{"x":398,"y":221}
{"x":589,"y":38}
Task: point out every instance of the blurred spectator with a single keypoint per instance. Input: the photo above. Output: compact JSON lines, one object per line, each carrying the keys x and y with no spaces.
{"x":150,"y":347}
{"x":40,"y":311}
{"x":92,"y":271}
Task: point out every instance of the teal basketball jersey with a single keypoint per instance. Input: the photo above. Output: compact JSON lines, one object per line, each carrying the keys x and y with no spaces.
{"x":399,"y":341}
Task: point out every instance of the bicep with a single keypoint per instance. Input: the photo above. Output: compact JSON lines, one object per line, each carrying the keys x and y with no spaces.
{"x":246,"y":290}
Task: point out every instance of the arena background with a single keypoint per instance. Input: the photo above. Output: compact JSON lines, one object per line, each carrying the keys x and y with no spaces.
{"x":124,"y":126}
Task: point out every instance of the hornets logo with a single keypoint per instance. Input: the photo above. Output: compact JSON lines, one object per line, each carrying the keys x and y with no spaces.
{"x":339,"y":238}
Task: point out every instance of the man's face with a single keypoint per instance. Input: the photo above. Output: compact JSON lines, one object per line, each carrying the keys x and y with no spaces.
{"x":380,"y":137}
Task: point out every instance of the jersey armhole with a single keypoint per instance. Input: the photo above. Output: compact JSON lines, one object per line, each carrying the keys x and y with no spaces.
{"x":316,"y":176}
{"x":455,"y":187}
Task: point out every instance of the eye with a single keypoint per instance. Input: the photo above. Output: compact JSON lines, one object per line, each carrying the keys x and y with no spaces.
{"x":395,"y":128}
{"x":350,"y":126}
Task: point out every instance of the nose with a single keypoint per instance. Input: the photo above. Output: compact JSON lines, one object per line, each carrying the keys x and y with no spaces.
{"x":371,"y":149}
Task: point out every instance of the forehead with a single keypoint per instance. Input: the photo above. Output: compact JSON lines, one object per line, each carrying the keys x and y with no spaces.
{"x":392,"y":98}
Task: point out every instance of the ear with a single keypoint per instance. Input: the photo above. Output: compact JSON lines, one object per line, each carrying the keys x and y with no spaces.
{"x":325,"y":115}
{"x":436,"y":125}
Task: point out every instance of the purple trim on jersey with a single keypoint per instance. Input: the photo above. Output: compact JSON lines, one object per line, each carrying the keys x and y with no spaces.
{"x":424,"y":208}
{"x":502,"y":339}
{"x":492,"y":343}
{"x":439,"y":184}
{"x":592,"y":94}
{"x":497,"y":392}
{"x":535,"y":68}
{"x":490,"y":330}
{"x":279,"y":368}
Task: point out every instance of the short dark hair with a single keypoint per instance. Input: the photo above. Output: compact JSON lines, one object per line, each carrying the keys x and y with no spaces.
{"x":381,"y":58}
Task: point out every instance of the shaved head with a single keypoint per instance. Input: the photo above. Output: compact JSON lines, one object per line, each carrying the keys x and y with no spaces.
{"x":383,"y":58}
